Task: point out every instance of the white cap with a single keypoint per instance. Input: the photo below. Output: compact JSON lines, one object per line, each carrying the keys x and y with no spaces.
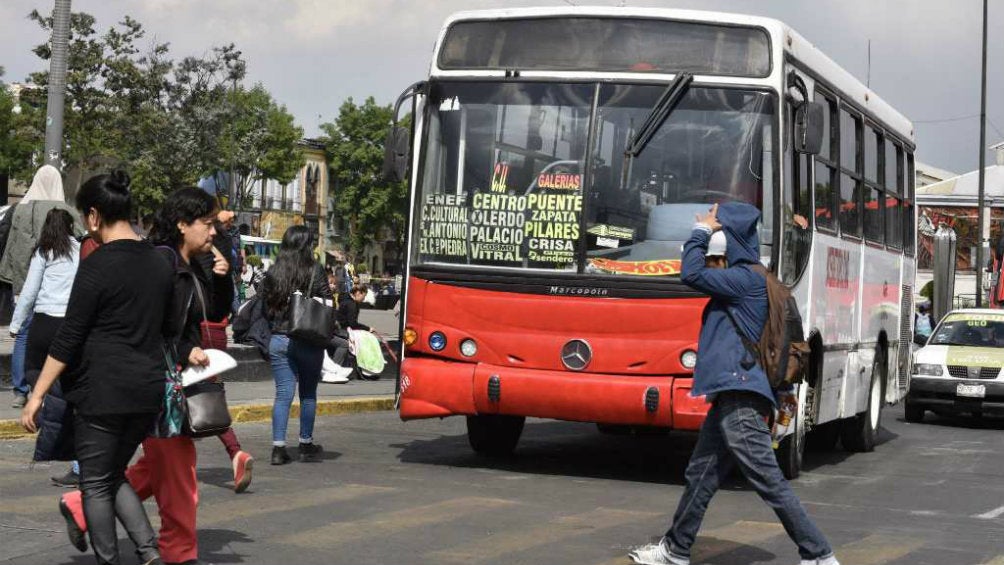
{"x":716,"y":247}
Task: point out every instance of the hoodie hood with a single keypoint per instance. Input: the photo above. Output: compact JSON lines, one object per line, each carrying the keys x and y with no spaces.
{"x":47,"y":185}
{"x":739,"y":222}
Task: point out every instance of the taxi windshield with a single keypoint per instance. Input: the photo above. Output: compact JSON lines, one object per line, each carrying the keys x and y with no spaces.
{"x":972,"y":332}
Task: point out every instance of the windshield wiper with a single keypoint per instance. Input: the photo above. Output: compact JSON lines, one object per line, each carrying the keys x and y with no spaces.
{"x":665,"y":106}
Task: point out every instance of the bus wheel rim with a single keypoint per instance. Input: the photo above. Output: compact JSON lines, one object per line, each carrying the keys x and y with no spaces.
{"x":874,"y":408}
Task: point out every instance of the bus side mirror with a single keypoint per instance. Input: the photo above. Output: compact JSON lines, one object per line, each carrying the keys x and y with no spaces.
{"x":396,"y":154}
{"x":809,"y":122}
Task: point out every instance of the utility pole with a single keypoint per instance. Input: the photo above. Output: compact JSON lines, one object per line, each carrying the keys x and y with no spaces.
{"x":57,"y":84}
{"x":983,"y":158}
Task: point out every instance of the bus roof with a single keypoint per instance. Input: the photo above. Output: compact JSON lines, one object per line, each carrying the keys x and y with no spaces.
{"x":785,"y":41}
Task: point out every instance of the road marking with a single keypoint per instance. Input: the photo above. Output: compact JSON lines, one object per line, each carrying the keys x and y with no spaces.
{"x":991,"y":514}
{"x":538,"y":534}
{"x":999,"y":560}
{"x":716,"y":541}
{"x":386,"y":524}
{"x":234,"y":509}
{"x":877,"y":549}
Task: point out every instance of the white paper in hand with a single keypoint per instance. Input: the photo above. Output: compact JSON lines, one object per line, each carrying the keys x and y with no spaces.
{"x":219,"y":362}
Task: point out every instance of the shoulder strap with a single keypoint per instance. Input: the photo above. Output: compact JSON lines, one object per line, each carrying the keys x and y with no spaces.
{"x":752,"y":348}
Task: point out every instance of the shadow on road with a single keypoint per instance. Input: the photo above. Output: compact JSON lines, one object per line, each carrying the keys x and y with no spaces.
{"x":214,"y":545}
{"x":970,"y":422}
{"x":579,"y":450}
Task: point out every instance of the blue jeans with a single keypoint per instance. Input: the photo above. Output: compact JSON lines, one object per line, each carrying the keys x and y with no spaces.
{"x":735,"y":431}
{"x":294,"y":362}
{"x":17,"y":358}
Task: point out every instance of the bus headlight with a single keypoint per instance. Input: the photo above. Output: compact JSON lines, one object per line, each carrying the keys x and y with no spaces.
{"x":468,"y":348}
{"x":928,"y":369}
{"x":688,"y":359}
{"x":437,"y":341}
{"x":410,"y":336}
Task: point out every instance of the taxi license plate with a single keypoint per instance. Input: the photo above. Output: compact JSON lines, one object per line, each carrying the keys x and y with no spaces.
{"x":971,"y":391}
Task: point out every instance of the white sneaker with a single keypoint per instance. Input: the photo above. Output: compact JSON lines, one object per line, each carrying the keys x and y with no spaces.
{"x":656,"y":554}
{"x":831,"y":560}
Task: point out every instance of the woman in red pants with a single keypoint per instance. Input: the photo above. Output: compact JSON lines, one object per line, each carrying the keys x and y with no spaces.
{"x":183,"y":230}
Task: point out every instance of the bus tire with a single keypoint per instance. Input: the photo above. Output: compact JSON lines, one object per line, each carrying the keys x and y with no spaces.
{"x":913,"y":412}
{"x":791,"y":451}
{"x":494,"y":434}
{"x":860,"y":432}
{"x":823,"y":437}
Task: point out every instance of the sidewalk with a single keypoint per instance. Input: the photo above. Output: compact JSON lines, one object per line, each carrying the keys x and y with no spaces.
{"x":251,"y":365}
{"x":250,"y":389}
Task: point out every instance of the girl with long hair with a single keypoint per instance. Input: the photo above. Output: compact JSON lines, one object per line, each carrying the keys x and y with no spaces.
{"x":43,"y":299}
{"x":109,"y":358}
{"x":294,"y":361}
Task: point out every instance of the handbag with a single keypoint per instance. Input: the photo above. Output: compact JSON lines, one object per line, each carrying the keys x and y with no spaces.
{"x":171,"y":419}
{"x":213,"y":334}
{"x":309,"y":320}
{"x":206,"y":412}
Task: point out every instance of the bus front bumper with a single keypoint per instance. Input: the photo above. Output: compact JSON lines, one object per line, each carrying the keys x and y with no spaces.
{"x":435,"y":388}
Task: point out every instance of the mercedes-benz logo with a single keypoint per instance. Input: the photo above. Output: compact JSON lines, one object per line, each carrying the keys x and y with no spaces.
{"x":576,"y":354}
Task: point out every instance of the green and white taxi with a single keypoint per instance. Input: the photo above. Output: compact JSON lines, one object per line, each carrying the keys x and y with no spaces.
{"x":958,"y":371}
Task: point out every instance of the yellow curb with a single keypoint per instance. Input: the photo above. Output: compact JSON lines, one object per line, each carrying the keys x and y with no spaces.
{"x":246,"y":413}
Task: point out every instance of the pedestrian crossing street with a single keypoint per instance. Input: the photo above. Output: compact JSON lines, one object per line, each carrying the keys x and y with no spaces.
{"x":498,"y":530}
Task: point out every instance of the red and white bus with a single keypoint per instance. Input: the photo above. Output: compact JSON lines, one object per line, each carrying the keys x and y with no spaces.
{"x":558,"y":157}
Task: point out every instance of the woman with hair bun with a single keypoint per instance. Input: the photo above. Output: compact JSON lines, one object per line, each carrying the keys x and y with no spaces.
{"x":109,"y":358}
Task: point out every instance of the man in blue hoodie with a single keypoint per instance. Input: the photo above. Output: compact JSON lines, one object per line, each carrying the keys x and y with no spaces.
{"x":735,"y":430}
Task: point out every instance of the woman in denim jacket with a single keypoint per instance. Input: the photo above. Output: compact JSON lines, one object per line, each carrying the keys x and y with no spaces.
{"x":43,"y":299}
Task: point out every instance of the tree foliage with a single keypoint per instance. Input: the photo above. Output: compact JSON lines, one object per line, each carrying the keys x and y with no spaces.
{"x":259,"y":142}
{"x":167,"y":122}
{"x":355,"y":147}
{"x":16,"y":136}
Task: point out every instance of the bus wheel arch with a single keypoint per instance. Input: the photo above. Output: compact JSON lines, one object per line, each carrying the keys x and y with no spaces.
{"x":860,"y":432}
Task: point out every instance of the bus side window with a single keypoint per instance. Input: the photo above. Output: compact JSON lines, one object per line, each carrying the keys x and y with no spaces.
{"x":796,"y":212}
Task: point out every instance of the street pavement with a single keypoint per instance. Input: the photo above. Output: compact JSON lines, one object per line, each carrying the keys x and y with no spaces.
{"x":392,"y":492}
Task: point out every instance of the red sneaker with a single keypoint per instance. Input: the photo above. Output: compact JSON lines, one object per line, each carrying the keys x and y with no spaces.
{"x":243,"y":462}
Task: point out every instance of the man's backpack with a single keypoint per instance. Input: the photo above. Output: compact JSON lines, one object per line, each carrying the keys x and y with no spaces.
{"x":782,"y":351}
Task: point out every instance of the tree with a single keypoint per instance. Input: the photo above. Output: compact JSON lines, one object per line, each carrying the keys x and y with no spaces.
{"x":260,"y":142}
{"x":17,"y":137}
{"x":355,"y":147}
{"x":167,"y":123}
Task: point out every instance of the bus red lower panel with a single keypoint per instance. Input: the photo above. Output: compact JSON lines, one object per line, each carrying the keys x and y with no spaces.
{"x":436,"y":388}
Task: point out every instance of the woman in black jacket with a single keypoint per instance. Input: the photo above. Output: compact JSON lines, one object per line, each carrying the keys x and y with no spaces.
{"x":109,"y":359}
{"x":295,"y":363}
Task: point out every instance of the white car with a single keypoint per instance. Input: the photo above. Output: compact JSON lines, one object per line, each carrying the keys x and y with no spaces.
{"x":958,"y":371}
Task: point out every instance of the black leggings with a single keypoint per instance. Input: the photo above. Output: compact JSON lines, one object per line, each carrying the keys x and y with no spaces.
{"x":40,"y":336}
{"x":104,"y":446}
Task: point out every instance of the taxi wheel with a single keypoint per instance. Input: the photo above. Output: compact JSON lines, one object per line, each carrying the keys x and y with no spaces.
{"x":860,"y":432}
{"x":914,"y":413}
{"x":493,"y":434}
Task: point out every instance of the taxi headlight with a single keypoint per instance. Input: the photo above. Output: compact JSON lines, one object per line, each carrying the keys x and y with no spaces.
{"x":928,"y":369}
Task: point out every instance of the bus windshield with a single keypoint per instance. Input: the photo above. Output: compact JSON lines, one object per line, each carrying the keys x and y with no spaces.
{"x":502,"y":182}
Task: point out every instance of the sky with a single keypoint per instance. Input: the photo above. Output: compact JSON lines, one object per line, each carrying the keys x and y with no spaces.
{"x":314,"y":54}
